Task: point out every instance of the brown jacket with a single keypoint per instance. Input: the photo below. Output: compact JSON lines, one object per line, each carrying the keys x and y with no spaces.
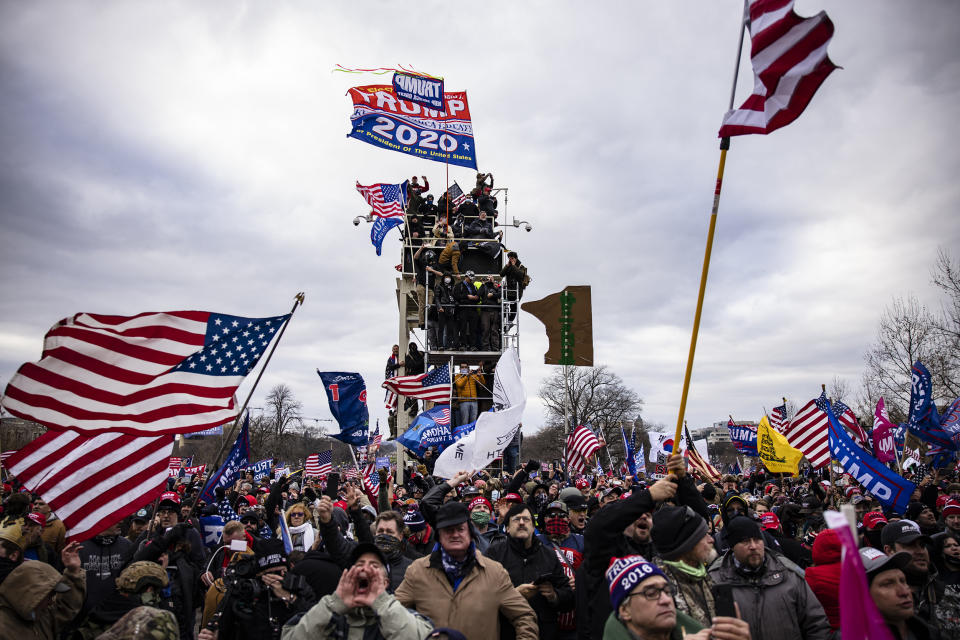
{"x":25,"y":588}
{"x":55,"y":534}
{"x":473,"y":608}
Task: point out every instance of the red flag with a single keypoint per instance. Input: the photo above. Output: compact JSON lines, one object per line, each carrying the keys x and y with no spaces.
{"x":883,"y":443}
{"x":790,"y":62}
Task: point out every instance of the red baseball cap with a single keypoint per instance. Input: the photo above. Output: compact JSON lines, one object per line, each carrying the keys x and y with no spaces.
{"x":170,"y":496}
{"x":478,"y":501}
{"x":950,"y":508}
{"x":770,"y":520}
{"x":582,"y":483}
{"x":37,"y":518}
{"x":873,"y":519}
{"x":251,"y":500}
{"x":512,"y":497}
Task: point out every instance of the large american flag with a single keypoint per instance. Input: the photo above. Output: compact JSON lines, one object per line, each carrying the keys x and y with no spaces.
{"x":808,"y":432}
{"x":849,"y":420}
{"x":457,"y":196}
{"x":319,"y":464}
{"x":433,"y":386}
{"x":153,"y":373}
{"x":5,"y":455}
{"x":93,"y":482}
{"x":778,"y":417}
{"x":581,"y":444}
{"x":387,"y":200}
{"x":790,"y":62}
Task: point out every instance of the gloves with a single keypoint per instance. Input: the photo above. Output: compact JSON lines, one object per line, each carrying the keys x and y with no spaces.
{"x":532,"y":466}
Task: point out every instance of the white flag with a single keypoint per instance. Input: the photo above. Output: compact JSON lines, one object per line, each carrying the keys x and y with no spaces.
{"x":656,"y":445}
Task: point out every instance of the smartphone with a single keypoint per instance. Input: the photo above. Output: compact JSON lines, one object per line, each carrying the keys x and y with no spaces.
{"x":543,"y":577}
{"x":723,"y":599}
{"x":333,"y":487}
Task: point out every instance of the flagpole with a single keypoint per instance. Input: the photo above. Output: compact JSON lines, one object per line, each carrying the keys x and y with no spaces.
{"x":297,"y":301}
{"x":724,"y":146}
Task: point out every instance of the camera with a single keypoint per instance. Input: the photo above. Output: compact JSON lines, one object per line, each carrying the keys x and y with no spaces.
{"x":242,"y":583}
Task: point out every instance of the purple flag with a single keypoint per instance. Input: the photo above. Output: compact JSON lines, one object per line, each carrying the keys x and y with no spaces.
{"x":883,"y":443}
{"x":859,"y":617}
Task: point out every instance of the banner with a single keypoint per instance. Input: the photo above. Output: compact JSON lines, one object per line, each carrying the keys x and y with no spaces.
{"x":432,"y":429}
{"x":892,"y":490}
{"x":423,"y":90}
{"x":383,"y":463}
{"x":382,"y":119}
{"x":774,"y":451}
{"x":238,"y":458}
{"x":212,"y":527}
{"x":260,"y":469}
{"x":379,"y":229}
{"x":744,"y":438}
{"x":347,"y":396}
{"x":884,"y":445}
{"x":212,"y":431}
{"x":494,"y":429}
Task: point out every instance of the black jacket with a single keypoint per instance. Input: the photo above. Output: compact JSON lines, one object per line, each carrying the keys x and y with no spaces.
{"x":320,"y":572}
{"x":444,"y":297}
{"x":526,"y":566}
{"x":464,"y":289}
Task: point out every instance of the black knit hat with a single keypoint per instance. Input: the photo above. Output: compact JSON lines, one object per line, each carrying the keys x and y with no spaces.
{"x":677,"y":530}
{"x":743,"y":528}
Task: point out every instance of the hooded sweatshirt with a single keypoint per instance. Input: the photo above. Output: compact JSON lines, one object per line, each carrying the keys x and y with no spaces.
{"x":824,"y":576}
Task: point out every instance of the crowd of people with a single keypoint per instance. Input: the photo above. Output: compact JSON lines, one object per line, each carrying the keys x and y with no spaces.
{"x":528,"y":554}
{"x":460,"y":311}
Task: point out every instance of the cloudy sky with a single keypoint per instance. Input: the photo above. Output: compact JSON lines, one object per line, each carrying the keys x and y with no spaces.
{"x":176,"y":155}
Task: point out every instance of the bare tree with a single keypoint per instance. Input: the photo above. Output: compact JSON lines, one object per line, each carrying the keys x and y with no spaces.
{"x":597,"y":396}
{"x":907,"y":333}
{"x":946,"y":368}
{"x":838,"y":390}
{"x":283,"y":411}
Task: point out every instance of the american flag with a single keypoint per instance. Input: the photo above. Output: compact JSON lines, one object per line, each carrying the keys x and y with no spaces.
{"x":350,"y":473}
{"x":370,"y":478}
{"x":778,"y":418}
{"x":391,"y":401}
{"x":175,"y":463}
{"x":387,"y":200}
{"x":849,"y":420}
{"x":581,"y":444}
{"x":153,"y":373}
{"x":5,"y":455}
{"x":319,"y":464}
{"x":457,"y":196}
{"x":790,"y":62}
{"x":433,"y":386}
{"x":698,"y":463}
{"x":808,"y":432}
{"x":93,"y":482}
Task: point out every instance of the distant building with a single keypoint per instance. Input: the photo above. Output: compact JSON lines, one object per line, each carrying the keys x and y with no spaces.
{"x":17,"y":432}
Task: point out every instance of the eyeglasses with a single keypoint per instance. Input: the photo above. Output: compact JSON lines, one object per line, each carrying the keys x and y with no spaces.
{"x":653,"y":593}
{"x":297,"y":515}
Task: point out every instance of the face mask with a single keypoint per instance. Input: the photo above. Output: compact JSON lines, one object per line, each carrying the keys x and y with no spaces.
{"x":558,"y":526}
{"x":480,"y":517}
{"x":540,"y":500}
{"x":446,"y":281}
{"x":389,"y":545}
{"x":148,"y":598}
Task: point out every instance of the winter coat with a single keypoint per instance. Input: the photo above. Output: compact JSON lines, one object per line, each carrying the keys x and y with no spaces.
{"x":777,"y":603}
{"x":694,"y":597}
{"x":525,"y":566}
{"x":25,"y":588}
{"x":516,"y":276}
{"x":183,"y":594}
{"x":320,"y":571}
{"x":824,"y":576}
{"x":484,"y":592}
{"x":461,"y":293}
{"x":444,"y":297}
{"x":54,"y":533}
{"x":615,"y":630}
{"x":385,"y":618}
{"x":103,"y":563}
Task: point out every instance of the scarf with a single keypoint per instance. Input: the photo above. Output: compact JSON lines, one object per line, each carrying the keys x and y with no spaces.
{"x":390,"y":546}
{"x":456,"y":569}
{"x":698,"y":573}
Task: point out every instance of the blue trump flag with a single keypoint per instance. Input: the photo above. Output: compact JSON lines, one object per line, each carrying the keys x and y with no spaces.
{"x":924,"y":421}
{"x":212,"y":530}
{"x":238,"y":458}
{"x":379,"y":229}
{"x":261,"y":469}
{"x":628,"y":451}
{"x":892,"y":490}
{"x":432,"y":429}
{"x":744,"y":438}
{"x":347,"y":395}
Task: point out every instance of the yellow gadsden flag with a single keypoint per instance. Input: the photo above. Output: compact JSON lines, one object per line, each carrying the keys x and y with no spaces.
{"x":775,"y":452}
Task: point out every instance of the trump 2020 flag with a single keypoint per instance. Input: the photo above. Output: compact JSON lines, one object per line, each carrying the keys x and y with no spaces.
{"x":432,"y":429}
{"x":883,"y":442}
{"x":347,"y":396}
{"x":924,"y":421}
{"x":261,"y":469}
{"x":143,"y":375}
{"x":892,"y":490}
{"x":379,"y":229}
{"x":238,"y":459}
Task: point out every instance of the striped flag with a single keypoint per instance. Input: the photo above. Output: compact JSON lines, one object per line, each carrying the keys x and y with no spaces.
{"x":433,"y":386}
{"x":391,"y":401}
{"x":848,"y":419}
{"x":581,"y":444}
{"x":778,"y":418}
{"x":790,"y":62}
{"x":175,"y":463}
{"x":319,"y":464}
{"x":350,"y":473}
{"x":808,"y":432}
{"x":149,"y":374}
{"x":93,"y":482}
{"x":697,"y":463}
{"x":457,"y":196}
{"x":4,"y":456}
{"x":386,"y":200}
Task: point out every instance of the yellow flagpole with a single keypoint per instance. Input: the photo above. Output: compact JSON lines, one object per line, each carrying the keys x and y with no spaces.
{"x":724,"y":146}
